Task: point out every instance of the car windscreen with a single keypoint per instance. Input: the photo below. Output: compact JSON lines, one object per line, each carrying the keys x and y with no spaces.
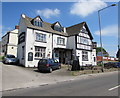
{"x":10,"y":56}
{"x":43,"y":61}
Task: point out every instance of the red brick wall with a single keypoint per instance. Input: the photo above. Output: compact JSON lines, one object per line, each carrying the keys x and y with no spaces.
{"x":99,"y":58}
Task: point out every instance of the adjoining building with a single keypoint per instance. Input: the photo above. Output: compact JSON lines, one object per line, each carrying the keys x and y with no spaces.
{"x":10,"y":42}
{"x":1,"y":53}
{"x":38,"y":39}
{"x":118,"y":54}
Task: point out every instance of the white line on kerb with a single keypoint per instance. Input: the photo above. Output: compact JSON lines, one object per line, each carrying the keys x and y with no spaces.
{"x":114,"y":88}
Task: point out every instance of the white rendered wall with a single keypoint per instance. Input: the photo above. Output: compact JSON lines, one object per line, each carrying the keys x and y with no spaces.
{"x":31,"y":43}
{"x":12,"y":50}
{"x":22,"y":28}
{"x":84,"y":63}
{"x":94,"y":55}
{"x":71,"y":42}
{"x":55,"y":45}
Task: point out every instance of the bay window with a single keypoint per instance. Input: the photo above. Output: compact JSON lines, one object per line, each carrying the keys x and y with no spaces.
{"x":40,"y":52}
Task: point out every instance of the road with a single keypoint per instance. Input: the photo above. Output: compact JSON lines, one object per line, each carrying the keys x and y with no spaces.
{"x":101,"y":85}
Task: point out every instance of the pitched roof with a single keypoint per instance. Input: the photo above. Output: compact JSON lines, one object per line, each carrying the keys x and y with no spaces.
{"x":71,"y":31}
{"x":75,"y":29}
{"x":45,"y":26}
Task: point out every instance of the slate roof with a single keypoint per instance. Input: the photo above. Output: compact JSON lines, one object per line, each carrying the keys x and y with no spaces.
{"x":71,"y":31}
{"x":45,"y":26}
{"x":75,"y":29}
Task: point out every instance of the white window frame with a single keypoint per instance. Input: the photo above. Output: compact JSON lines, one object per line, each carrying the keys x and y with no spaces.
{"x":40,"y":37}
{"x":84,"y":56}
{"x":39,"y":52}
{"x":38,"y":23}
{"x":60,"y":41}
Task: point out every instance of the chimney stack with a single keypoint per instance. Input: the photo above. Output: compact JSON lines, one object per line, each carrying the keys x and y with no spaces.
{"x":16,"y":27}
{"x":64,"y":29}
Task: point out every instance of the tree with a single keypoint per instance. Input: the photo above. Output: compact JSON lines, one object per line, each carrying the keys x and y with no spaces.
{"x":98,"y":51}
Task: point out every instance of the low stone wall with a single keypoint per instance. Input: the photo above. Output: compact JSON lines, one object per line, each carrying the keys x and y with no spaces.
{"x":88,"y":70}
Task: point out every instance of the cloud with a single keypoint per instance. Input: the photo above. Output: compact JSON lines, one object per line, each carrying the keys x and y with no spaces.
{"x":111,"y":30}
{"x":48,"y":13}
{"x":85,"y":7}
{"x":4,"y":30}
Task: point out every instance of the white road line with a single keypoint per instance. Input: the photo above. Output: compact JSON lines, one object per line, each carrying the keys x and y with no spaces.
{"x":114,"y":88}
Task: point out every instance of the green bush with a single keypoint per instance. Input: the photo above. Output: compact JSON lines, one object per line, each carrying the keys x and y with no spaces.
{"x":1,"y":58}
{"x":99,"y":64}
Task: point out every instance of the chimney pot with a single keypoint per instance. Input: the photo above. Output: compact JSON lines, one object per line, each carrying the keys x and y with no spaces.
{"x":16,"y":27}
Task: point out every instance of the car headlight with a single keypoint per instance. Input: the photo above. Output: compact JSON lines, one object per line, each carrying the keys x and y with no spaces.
{"x":9,"y":60}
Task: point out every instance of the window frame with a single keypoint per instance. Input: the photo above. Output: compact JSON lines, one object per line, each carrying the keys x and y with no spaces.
{"x":37,"y":23}
{"x":59,"y":40}
{"x":84,"y":56}
{"x":57,"y":28}
{"x":40,"y":52}
{"x":40,"y":37}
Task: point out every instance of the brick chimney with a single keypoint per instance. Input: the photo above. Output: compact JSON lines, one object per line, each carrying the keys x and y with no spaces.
{"x":16,"y":27}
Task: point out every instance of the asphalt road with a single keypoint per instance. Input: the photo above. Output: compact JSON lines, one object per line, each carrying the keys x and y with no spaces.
{"x":101,"y":85}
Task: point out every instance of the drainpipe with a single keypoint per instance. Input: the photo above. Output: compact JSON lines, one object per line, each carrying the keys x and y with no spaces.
{"x":52,"y":47}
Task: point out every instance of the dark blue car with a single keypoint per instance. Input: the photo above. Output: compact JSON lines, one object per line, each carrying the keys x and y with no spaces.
{"x":117,"y":65}
{"x":48,"y":65}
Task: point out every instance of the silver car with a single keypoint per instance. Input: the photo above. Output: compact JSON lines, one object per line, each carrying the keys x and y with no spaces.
{"x":10,"y":59}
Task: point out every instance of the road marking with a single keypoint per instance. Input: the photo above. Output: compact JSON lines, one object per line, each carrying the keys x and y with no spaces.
{"x":114,"y":87}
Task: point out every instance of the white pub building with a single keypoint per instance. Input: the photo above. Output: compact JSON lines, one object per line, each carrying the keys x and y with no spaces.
{"x":38,"y":39}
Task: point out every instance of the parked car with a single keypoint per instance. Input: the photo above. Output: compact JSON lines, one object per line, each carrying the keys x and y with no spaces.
{"x":117,"y":65}
{"x":10,"y":59}
{"x":48,"y":65}
{"x":109,"y":65}
{"x":112,"y":64}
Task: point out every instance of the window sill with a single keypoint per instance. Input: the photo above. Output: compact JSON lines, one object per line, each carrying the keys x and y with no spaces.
{"x":37,"y":58}
{"x":41,"y":41}
{"x":84,"y":44}
{"x":61,"y":44}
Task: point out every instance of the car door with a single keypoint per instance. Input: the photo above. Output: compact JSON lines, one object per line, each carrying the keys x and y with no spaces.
{"x":51,"y":63}
{"x":56,"y":63}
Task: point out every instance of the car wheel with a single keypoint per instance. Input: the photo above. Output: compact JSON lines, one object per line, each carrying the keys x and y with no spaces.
{"x":59,"y":67}
{"x":5,"y":62}
{"x":50,"y":70}
{"x":39,"y":69}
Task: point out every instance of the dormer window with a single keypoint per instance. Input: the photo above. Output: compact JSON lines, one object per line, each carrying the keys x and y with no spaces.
{"x":38,"y":23}
{"x":57,"y":28}
{"x":84,"y":30}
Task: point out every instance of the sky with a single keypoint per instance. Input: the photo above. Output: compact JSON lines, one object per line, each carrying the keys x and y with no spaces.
{"x":68,"y":13}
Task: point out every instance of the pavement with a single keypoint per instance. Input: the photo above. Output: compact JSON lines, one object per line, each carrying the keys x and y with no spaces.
{"x":100,"y":85}
{"x":17,"y":77}
{"x":0,"y":81}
